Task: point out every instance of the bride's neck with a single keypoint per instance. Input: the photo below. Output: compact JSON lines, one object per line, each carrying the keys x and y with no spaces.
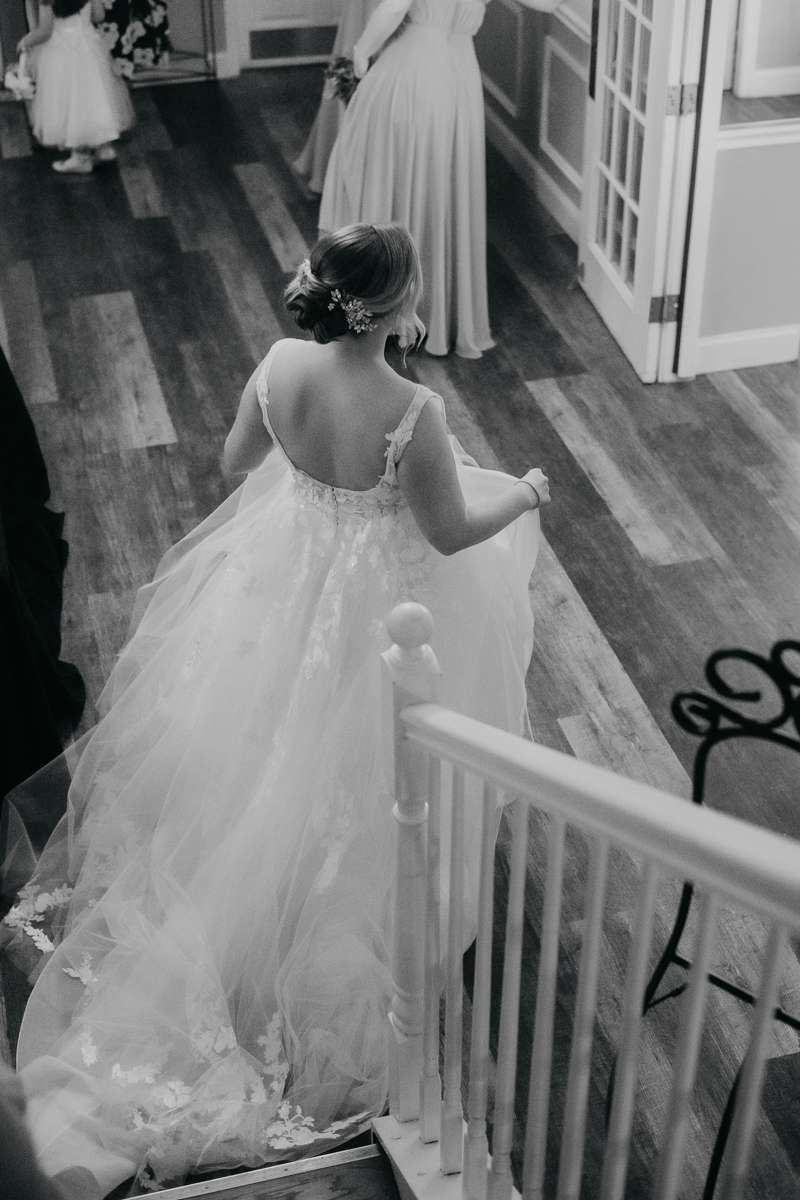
{"x":362,"y":349}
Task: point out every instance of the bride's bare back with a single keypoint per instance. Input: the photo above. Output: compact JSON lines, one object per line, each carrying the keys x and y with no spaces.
{"x":331,"y":407}
{"x":331,"y":412}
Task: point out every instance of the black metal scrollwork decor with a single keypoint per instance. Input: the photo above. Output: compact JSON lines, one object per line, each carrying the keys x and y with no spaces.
{"x":710,"y":719}
{"x":714,"y":721}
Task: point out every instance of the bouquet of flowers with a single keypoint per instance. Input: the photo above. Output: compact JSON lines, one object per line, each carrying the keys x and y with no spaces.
{"x":340,"y":79}
{"x":18,"y":80}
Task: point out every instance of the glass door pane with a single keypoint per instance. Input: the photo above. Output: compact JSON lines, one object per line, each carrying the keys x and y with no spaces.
{"x":623,"y":93}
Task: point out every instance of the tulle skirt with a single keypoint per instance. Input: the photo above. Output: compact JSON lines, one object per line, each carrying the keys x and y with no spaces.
{"x":219,"y":892}
{"x":79,"y":100}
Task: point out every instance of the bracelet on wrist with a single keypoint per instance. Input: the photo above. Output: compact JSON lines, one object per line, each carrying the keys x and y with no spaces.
{"x":533,"y":489}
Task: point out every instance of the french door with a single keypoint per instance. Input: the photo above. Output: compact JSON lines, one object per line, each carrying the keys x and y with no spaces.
{"x":639,"y":154}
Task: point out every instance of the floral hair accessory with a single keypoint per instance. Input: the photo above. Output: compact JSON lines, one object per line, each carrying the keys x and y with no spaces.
{"x":358,"y":318}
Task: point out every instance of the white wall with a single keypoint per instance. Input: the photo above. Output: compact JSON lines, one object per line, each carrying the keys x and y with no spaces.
{"x":751,"y":290}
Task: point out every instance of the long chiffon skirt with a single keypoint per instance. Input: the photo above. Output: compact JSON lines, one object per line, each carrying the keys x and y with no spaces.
{"x":411,"y":150}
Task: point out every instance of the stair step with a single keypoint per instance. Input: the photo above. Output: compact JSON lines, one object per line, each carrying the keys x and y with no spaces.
{"x":363,"y":1173}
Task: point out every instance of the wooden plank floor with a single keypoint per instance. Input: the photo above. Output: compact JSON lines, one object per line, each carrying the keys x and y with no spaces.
{"x":133,"y":306}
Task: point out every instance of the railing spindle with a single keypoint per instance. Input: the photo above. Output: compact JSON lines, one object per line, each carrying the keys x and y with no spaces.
{"x":452,"y":1133}
{"x":740,"y":1144}
{"x":670,"y":1162}
{"x":501,"y":1180}
{"x":430,"y":1084}
{"x":542,"y":1054}
{"x":580,"y":1056}
{"x":476,"y":1144}
{"x":410,"y":672}
{"x":615,"y":1166}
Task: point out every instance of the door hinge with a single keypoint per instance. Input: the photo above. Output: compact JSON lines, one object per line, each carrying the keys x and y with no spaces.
{"x":664,"y":309}
{"x":681,"y":99}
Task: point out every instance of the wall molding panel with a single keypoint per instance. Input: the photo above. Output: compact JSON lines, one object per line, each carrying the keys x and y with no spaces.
{"x":553,"y":49}
{"x":560,"y":206}
{"x":750,"y":78}
{"x":576,"y":23}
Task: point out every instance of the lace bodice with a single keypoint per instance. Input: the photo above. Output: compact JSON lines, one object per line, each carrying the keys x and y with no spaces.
{"x":386,"y":492}
{"x":456,"y":16}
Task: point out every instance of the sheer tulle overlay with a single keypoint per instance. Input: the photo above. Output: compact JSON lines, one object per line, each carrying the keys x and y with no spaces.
{"x":219,"y":892}
{"x":79,"y":100}
{"x":411,"y":150}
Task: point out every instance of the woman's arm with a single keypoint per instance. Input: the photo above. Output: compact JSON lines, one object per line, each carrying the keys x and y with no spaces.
{"x":429,"y":481}
{"x":248,"y":443}
{"x":381,"y":25}
{"x":42,"y":31}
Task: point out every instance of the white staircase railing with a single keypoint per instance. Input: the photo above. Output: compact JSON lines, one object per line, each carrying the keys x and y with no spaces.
{"x":728,"y":861}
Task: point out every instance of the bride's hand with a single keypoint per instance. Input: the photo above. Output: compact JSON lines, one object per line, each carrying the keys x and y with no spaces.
{"x":537,"y":481}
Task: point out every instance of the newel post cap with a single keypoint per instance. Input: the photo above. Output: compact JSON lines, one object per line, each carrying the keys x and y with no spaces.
{"x":410,"y":625}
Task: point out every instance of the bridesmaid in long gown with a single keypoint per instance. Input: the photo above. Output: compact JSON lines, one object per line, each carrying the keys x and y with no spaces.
{"x":211,"y":919}
{"x":411,"y":150}
{"x":313,"y":159}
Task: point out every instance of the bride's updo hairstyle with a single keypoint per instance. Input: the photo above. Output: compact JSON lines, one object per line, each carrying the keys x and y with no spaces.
{"x":376,"y":265}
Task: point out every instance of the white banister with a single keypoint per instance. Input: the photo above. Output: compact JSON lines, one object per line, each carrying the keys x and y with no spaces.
{"x":501,"y":1180}
{"x":476,"y":1143}
{"x":430,"y":1084}
{"x":452,"y":1107}
{"x":580,"y":1055}
{"x":744,"y":863}
{"x":542,"y":1054}
{"x":410,"y":671}
{"x":727,"y":860}
{"x":740,"y":1145}
{"x":615,"y":1165}
{"x":670,"y":1162}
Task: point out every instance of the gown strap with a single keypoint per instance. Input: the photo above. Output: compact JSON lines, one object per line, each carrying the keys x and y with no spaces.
{"x":262,"y":382}
{"x":402,"y":435}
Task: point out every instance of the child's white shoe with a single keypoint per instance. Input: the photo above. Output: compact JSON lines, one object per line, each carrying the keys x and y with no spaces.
{"x":76,"y":164}
{"x":105,"y":153}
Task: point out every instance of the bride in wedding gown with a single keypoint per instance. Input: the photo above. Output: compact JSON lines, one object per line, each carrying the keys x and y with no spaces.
{"x":211,"y":919}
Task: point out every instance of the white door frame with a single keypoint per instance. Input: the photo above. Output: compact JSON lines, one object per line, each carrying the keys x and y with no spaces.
{"x":626,"y":309}
{"x":231,"y":56}
{"x":750,"y":79}
{"x":700,"y":217}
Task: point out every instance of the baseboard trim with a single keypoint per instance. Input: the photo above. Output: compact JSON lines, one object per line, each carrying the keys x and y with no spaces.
{"x":750,"y":348}
{"x":548,"y":193}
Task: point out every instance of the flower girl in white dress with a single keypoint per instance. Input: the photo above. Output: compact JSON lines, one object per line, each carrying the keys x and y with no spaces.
{"x":212,"y":916}
{"x":80,"y":104}
{"x":411,"y":150}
